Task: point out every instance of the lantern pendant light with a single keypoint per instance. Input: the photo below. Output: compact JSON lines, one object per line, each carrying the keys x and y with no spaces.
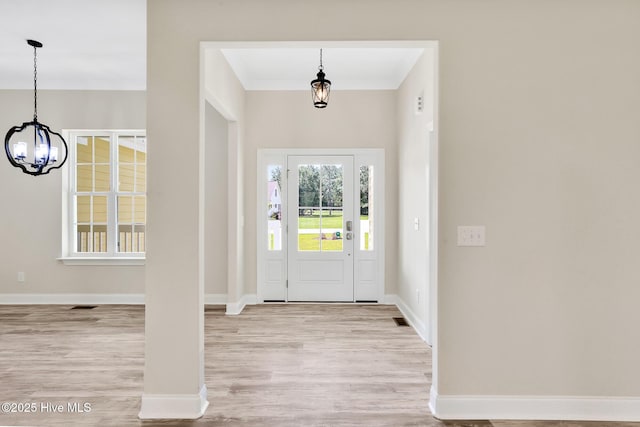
{"x":320,"y":87}
{"x":33,"y":147}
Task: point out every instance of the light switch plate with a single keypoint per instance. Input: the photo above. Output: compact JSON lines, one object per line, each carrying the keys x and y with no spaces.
{"x":471,"y":235}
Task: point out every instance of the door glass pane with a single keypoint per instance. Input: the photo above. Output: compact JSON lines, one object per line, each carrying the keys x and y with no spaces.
{"x":274,"y":207}
{"x":320,"y":218}
{"x":308,"y":186}
{"x":366,"y":208}
{"x":309,"y":208}
{"x":331,"y":190}
{"x":308,"y":229}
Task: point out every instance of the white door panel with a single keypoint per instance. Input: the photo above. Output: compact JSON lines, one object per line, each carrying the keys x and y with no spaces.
{"x":320,"y":248}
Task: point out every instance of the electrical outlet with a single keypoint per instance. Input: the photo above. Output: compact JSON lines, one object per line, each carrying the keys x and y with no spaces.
{"x":471,"y":235}
{"x":21,"y":277}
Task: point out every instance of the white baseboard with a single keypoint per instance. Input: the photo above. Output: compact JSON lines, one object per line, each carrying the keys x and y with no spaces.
{"x":574,"y":408}
{"x":389,"y":299}
{"x":174,"y":406}
{"x":93,"y":299}
{"x":433,"y":394}
{"x":215,"y":299}
{"x":71,"y":299}
{"x":235,"y":308}
{"x":415,"y":322}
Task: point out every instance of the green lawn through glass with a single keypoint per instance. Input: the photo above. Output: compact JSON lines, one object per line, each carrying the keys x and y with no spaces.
{"x":333,"y":220}
{"x":311,"y":242}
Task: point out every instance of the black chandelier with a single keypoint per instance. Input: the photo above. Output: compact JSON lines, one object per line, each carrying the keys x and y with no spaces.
{"x":320,"y":88}
{"x":42,"y":156}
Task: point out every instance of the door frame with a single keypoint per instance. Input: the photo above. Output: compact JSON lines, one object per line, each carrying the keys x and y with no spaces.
{"x":274,"y":263}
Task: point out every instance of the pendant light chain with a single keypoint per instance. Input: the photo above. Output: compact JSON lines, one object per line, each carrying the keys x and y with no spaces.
{"x":35,"y":85}
{"x":320,"y":67}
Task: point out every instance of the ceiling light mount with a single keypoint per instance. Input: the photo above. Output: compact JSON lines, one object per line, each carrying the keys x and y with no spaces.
{"x":320,"y":87}
{"x":46,"y":148}
{"x":34,"y":43}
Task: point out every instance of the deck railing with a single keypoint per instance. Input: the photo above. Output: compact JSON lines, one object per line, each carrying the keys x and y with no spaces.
{"x":97,"y":241}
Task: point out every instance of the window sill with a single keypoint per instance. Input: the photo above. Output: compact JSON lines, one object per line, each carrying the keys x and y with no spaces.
{"x":102,"y":260}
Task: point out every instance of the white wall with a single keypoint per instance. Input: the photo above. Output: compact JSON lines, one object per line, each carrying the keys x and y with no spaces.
{"x":30,"y":221}
{"x":413,"y":194}
{"x":225,"y":93}
{"x":538,"y":141}
{"x":178,"y":269}
{"x":287,"y":119}
{"x":215,"y":230}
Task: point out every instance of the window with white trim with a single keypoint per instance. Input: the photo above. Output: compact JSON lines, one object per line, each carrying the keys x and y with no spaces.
{"x":107,"y":194}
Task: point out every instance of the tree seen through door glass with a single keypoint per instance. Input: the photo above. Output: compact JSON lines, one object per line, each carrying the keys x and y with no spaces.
{"x":320,"y":221}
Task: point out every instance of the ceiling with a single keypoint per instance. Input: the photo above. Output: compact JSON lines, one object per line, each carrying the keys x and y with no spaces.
{"x":347,"y":68}
{"x":88,"y":44}
{"x":101,"y":45}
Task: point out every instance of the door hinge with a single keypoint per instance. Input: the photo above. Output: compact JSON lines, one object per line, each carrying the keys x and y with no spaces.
{"x":287,"y":283}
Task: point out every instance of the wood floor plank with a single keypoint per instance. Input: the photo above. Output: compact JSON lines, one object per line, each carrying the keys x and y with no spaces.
{"x":273,"y":365}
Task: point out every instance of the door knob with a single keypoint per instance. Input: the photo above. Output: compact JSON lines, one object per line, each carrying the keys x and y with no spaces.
{"x":349,"y":236}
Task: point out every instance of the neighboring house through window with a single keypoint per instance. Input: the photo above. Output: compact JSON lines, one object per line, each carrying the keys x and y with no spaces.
{"x":106,"y":198}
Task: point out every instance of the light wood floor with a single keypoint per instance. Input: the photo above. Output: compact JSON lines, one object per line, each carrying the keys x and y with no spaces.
{"x":274,"y":365}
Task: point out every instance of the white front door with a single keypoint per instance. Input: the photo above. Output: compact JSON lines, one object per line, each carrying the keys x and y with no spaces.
{"x":320,"y":228}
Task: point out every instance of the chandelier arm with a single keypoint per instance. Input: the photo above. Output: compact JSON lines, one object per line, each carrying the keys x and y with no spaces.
{"x":7,"y":140}
{"x":66,"y":149}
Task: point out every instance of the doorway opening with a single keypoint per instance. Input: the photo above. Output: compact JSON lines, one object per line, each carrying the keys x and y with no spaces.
{"x":266,"y":123}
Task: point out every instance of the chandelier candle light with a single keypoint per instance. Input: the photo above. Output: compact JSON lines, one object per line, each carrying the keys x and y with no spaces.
{"x":320,"y":88}
{"x":43,"y":155}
